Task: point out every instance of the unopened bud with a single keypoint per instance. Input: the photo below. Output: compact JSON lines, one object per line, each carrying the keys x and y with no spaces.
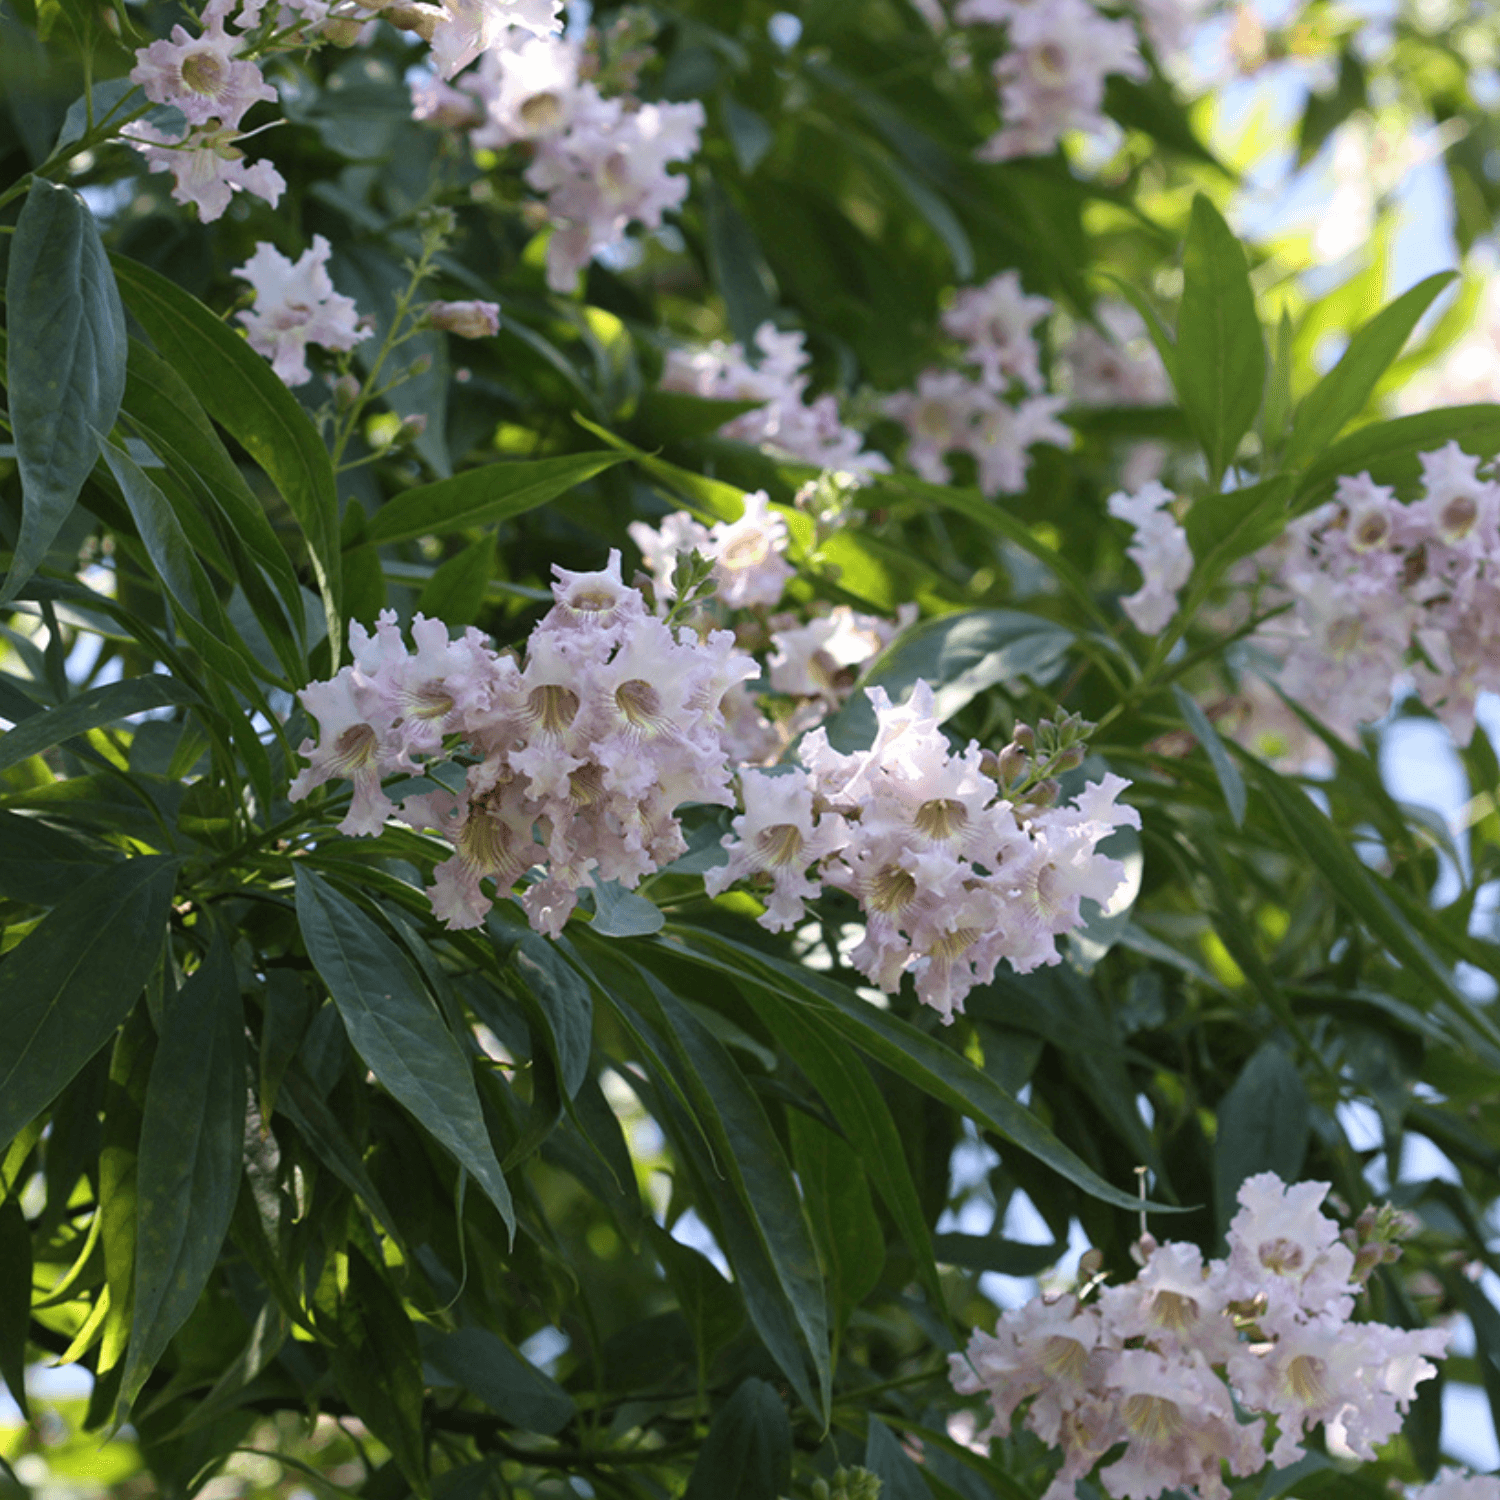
{"x":1024,"y":736}
{"x":1143,"y":1249}
{"x":342,"y":31}
{"x":469,"y":320}
{"x":1366,"y":1258}
{"x":110,"y":19}
{"x":1071,"y":758}
{"x":1044,"y":793}
{"x":414,"y":16}
{"x":1364,"y":1225}
{"x":1090,"y":1264}
{"x":411,"y":428}
{"x":420,"y":365}
{"x":345,"y":392}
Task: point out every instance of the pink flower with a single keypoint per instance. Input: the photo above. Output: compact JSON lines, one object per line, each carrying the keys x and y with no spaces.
{"x":202,"y":76}
{"x":208,"y":166}
{"x":296,"y":305}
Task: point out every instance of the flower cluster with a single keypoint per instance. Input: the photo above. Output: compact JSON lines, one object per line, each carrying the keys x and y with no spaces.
{"x":1383,"y":590}
{"x":996,"y":417}
{"x":785,"y":421}
{"x":1051,"y":75}
{"x":748,"y":555}
{"x":1152,"y":1363}
{"x":601,"y":163}
{"x":296,"y":305}
{"x":574,"y":762}
{"x":213,"y":86}
{"x":1160,"y":550}
{"x":956,"y":859}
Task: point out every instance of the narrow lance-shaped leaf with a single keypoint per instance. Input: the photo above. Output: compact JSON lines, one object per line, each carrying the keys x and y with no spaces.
{"x":188,"y":1175}
{"x":1220,"y":365}
{"x":65,"y":362}
{"x":91,"y":709}
{"x":74,"y":978}
{"x":748,"y":1452}
{"x":238,"y":389}
{"x":1342,"y":393}
{"x":397,"y":1031}
{"x":1230,"y":780}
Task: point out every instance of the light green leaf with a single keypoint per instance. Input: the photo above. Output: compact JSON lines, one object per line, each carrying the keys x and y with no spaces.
{"x":1341,"y":394}
{"x":397,"y":1031}
{"x":188,"y":1171}
{"x":482,"y":496}
{"x":74,"y":978}
{"x":65,"y":362}
{"x":1220,"y":366}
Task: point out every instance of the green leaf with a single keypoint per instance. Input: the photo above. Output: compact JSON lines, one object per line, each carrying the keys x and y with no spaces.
{"x":455,"y":592}
{"x":1341,"y":394}
{"x":851,"y":1245}
{"x":1153,"y":108}
{"x":15,"y":1299}
{"x":188,"y":1174}
{"x":65,"y":362}
{"x":937,"y":1070}
{"x":1230,"y":780}
{"x":566,"y":1006}
{"x":1220,"y":366}
{"x":74,"y":978}
{"x":959,"y":656}
{"x":482,"y":496}
{"x":900,"y":1478}
{"x":375,"y":1359}
{"x":672,"y":416}
{"x":239,"y":391}
{"x":477,"y":1361}
{"x":708,"y":1302}
{"x":397,"y":1031}
{"x":738,"y":266}
{"x":982,"y":1252}
{"x":91,"y":709}
{"x":1388,"y":450}
{"x":1263,"y":1126}
{"x":619,"y":913}
{"x":748,"y":1452}
{"x":41,"y":865}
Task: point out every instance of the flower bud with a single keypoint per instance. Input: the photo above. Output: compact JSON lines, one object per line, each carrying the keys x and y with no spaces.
{"x":469,"y":320}
{"x":1024,"y":736}
{"x":342,"y":31}
{"x":1044,"y":793}
{"x":420,"y":365}
{"x":1071,"y":758}
{"x":411,"y":429}
{"x":412,"y":15}
{"x":345,"y":392}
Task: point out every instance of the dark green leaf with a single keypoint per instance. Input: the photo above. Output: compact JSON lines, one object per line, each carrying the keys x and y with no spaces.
{"x":708,"y":1302}
{"x":959,"y":656}
{"x":671,"y":416}
{"x":65,"y":362}
{"x":188,"y":1176}
{"x":900,"y":1478}
{"x":1153,"y":108}
{"x":91,"y":709}
{"x":937,"y":1070}
{"x":1230,"y":780}
{"x":15,"y":1299}
{"x":240,"y":392}
{"x":376,"y":1362}
{"x":1263,"y":1126}
{"x":397,"y":1031}
{"x":74,"y":978}
{"x":738,"y":265}
{"x":482,"y":496}
{"x":475,"y":1360}
{"x":748,"y":1452}
{"x":455,"y":593}
{"x":839,"y":1207}
{"x":980,"y":1252}
{"x":1221,"y":354}
{"x":566,"y":1006}
{"x":749,"y":135}
{"x":39,"y":864}
{"x":1341,"y":394}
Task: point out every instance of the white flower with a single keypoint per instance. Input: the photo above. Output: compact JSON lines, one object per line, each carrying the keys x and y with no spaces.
{"x":207,"y":164}
{"x":1160,"y":550}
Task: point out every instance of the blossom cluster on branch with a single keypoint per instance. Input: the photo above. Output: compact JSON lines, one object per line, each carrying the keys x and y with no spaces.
{"x":1160,"y":1363}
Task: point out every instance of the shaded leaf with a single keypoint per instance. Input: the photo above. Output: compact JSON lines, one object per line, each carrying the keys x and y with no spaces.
{"x":65,"y":362}
{"x":1230,"y":780}
{"x":748,"y":1452}
{"x":900,"y":1478}
{"x":477,"y":1361}
{"x":1263,"y":1126}
{"x":15,"y":1299}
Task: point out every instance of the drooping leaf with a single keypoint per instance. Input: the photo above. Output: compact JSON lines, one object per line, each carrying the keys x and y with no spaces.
{"x":477,"y":1361}
{"x":1342,"y":393}
{"x":565,"y":1003}
{"x":900,"y":1478}
{"x":1230,"y":780}
{"x":397,"y":1031}
{"x":65,"y":362}
{"x":91,"y":709}
{"x":239,"y":391}
{"x":1220,"y":365}
{"x":707,"y":1300}
{"x":75,"y":977}
{"x":480,"y":497}
{"x":192,"y":1136}
{"x":981,"y":1252}
{"x":748,"y":1452}
{"x":1263,"y":1126}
